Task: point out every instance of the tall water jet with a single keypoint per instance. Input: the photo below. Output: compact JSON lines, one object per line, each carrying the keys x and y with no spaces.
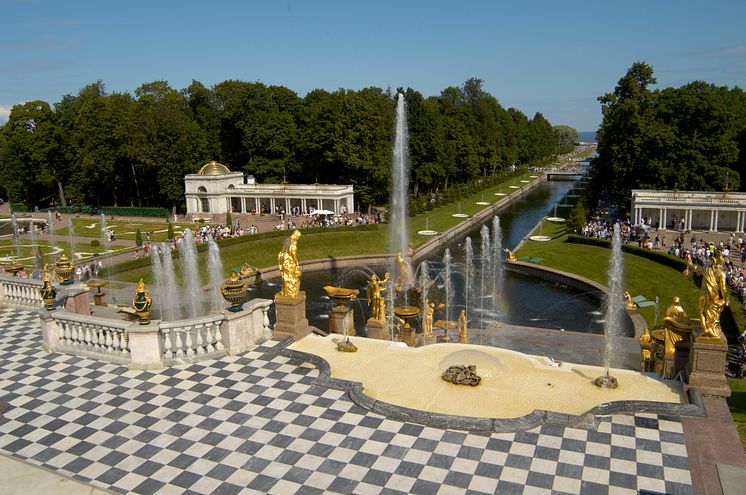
{"x":170,"y":301}
{"x":72,"y":239}
{"x":191,"y":275}
{"x":106,"y":243}
{"x":215,"y":269}
{"x":16,"y":236}
{"x":159,"y":277}
{"x":485,"y":278}
{"x":447,"y":285}
{"x":400,"y":181}
{"x":497,"y":256}
{"x":469,"y":271}
{"x":424,"y":285}
{"x":35,"y":247}
{"x":50,"y":230}
{"x":614,"y":307}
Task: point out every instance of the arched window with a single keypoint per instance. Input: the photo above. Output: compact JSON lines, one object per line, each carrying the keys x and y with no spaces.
{"x":201,"y":189}
{"x":205,"y":205}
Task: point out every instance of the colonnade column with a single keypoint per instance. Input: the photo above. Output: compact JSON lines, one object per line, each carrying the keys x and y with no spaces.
{"x":336,"y":207}
{"x":665,"y":219}
{"x":717,"y":215}
{"x":303,"y":206}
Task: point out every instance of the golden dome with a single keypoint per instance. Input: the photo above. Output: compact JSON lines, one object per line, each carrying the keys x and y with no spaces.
{"x":213,"y":168}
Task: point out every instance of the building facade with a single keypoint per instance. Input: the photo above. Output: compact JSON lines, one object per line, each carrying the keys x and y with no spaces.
{"x":215,"y":189}
{"x":690,"y":210}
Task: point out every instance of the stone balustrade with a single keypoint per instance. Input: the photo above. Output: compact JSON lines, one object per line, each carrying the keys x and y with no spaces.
{"x":92,"y":336}
{"x":20,"y":292}
{"x":157,"y":344}
{"x":186,"y":341}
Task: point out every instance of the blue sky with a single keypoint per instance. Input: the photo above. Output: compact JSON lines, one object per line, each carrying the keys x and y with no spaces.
{"x":554,"y":57}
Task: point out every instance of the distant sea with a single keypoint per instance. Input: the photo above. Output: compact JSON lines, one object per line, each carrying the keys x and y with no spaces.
{"x":587,"y":137}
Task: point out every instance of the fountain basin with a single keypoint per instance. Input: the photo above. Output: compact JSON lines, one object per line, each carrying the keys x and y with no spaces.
{"x":514,"y":187}
{"x":513,"y":384}
{"x":427,"y":232}
{"x":482,"y":203}
{"x":540,"y":238}
{"x":555,"y":219}
{"x":460,"y":215}
{"x":501,"y":194}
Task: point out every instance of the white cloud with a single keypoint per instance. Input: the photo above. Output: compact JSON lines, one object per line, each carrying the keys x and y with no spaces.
{"x":4,"y":113}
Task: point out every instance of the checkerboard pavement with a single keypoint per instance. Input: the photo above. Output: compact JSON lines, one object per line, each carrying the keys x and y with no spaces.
{"x":257,"y":423}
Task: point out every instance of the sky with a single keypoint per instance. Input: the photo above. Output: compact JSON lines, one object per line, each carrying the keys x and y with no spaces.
{"x":554,"y":57}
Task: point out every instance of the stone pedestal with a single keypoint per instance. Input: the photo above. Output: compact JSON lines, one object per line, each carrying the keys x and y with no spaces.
{"x":707,"y":367}
{"x":99,"y":298}
{"x":244,"y":330}
{"x":77,"y":301}
{"x":378,"y":329}
{"x":409,"y":336}
{"x":291,"y":316}
{"x":339,"y":317}
{"x":429,"y":339}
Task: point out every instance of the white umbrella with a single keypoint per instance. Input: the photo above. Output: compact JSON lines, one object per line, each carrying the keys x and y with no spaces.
{"x":322,"y":212}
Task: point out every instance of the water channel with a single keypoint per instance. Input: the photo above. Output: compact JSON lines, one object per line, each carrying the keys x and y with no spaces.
{"x":523,"y":300}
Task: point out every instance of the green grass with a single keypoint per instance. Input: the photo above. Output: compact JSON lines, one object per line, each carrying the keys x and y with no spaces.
{"x":641,"y":276}
{"x":125,"y":230}
{"x":8,"y":250}
{"x":737,"y":406}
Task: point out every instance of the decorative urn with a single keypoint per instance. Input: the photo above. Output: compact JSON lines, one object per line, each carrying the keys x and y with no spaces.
{"x":13,"y":268}
{"x":64,"y":270}
{"x":142,"y":303}
{"x":234,"y":291}
{"x":47,"y":291}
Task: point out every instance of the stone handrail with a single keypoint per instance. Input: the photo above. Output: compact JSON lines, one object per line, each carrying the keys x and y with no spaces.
{"x":21,"y":292}
{"x":158,"y":343}
{"x":186,"y":341}
{"x":93,"y":336}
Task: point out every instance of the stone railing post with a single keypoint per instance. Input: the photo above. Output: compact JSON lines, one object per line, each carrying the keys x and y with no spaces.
{"x":244,"y":330}
{"x":146,"y":346}
{"x":50,"y":332}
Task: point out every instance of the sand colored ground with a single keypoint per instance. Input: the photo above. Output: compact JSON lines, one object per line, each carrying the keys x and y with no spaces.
{"x":513,"y":384}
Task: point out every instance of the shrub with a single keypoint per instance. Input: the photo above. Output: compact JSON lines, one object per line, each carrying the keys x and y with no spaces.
{"x":228,"y":219}
{"x":170,"y":233}
{"x":662,"y":258}
{"x":95,"y":243}
{"x":138,"y":237}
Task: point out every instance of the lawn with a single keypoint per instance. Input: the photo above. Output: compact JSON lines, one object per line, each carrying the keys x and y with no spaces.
{"x":641,"y":276}
{"x":9,"y":251}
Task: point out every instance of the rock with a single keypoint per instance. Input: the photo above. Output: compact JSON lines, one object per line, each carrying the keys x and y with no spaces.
{"x":346,"y":346}
{"x":462,"y":375}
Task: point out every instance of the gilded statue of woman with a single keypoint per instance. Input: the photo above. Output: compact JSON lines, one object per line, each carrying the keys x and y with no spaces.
{"x":713,"y":298}
{"x":290,"y":272}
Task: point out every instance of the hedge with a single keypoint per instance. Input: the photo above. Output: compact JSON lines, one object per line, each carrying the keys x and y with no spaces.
{"x":122,"y":211}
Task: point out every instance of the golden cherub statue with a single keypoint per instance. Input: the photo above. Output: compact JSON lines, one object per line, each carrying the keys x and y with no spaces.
{"x":404,"y":279}
{"x":628,"y":302}
{"x":713,"y":298}
{"x":290,"y":272}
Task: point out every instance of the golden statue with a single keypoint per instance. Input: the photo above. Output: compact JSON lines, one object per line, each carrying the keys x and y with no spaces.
{"x":713,"y":298}
{"x":462,"y":321}
{"x":427,"y":321}
{"x":645,"y":347}
{"x":677,"y":327}
{"x":376,"y":301}
{"x":142,"y":302}
{"x":290,"y":272}
{"x":511,"y":256}
{"x":628,"y":302}
{"x":404,"y":279}
{"x":47,"y":291}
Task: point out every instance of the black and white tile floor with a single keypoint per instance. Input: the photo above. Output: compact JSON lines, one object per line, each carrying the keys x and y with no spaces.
{"x":258,"y":424}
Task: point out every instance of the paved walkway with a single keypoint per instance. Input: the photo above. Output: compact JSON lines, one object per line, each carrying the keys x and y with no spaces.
{"x":261,"y":423}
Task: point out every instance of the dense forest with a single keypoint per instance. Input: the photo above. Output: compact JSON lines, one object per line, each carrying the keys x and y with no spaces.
{"x":124,"y":149}
{"x":689,"y":138}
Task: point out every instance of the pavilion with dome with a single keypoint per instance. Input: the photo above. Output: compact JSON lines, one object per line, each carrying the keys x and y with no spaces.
{"x":214,"y":189}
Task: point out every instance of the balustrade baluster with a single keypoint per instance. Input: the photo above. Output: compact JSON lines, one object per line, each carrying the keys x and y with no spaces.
{"x":179,"y":345}
{"x":200,"y":341}
{"x":108,"y":340}
{"x":167,"y":354}
{"x":209,"y":339}
{"x":218,"y":339}
{"x":188,"y":343}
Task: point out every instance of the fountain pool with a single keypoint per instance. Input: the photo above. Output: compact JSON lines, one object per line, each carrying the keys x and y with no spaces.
{"x":513,"y":384}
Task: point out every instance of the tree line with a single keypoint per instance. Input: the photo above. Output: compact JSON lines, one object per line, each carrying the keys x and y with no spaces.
{"x":687,"y":138}
{"x":103,"y":149}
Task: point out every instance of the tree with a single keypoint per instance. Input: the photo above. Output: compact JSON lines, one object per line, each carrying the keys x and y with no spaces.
{"x":170,"y":231}
{"x":138,"y":237}
{"x":228,"y":219}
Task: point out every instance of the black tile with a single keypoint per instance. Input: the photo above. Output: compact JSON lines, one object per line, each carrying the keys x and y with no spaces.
{"x":623,"y":480}
{"x":262,"y":483}
{"x":185,"y":479}
{"x":363,"y":459}
{"x":409,"y":469}
{"x":297,"y":474}
{"x":455,"y":478}
{"x":540,"y":480}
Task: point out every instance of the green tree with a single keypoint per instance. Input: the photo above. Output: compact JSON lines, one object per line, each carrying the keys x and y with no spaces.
{"x":170,"y":231}
{"x":138,"y":237}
